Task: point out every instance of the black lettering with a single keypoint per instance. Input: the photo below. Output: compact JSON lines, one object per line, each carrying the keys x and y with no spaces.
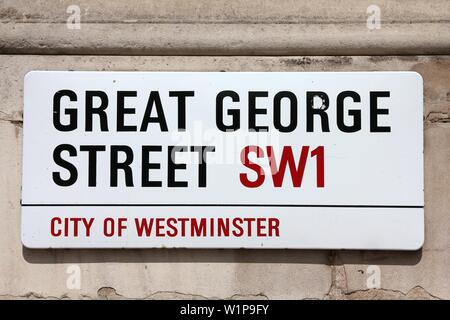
{"x":147,"y":165}
{"x":100,"y":110}
{"x":277,"y":111}
{"x":154,"y":99}
{"x":125,"y":166}
{"x":121,"y":110}
{"x":374,"y":111}
{"x":202,"y":151}
{"x":234,"y":113}
{"x":356,"y":114}
{"x":92,"y":160}
{"x":172,"y":166}
{"x":71,"y":112}
{"x":253,"y":111}
{"x":181,"y":95}
{"x":73,"y":174}
{"x":312,"y":110}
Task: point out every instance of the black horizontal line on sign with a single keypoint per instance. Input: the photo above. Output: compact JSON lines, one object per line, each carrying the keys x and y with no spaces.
{"x":213,"y":205}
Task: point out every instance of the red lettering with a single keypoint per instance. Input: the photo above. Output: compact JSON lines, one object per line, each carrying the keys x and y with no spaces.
{"x":253,"y":166}
{"x":171,"y":224}
{"x":238,"y":232}
{"x":260,"y":227}
{"x":198,"y":228}
{"x":287,"y":159}
{"x":274,"y":227}
{"x":143,"y":226}
{"x":70,"y":227}
{"x":160,"y":227}
{"x":224,"y":227}
{"x":320,"y":163}
{"x":53,"y":231}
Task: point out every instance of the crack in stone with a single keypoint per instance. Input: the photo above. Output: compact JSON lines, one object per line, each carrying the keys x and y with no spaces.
{"x":336,"y":292}
{"x":249,"y":296}
{"x":109,"y":293}
{"x":437,"y":117}
{"x":32,"y":296}
{"x":169,"y":295}
{"x":416,"y":293}
{"x":339,"y":287}
{"x":11,"y":119}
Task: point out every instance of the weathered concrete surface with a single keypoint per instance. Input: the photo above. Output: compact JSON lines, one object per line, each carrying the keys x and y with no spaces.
{"x":236,"y":274}
{"x":233,"y":27}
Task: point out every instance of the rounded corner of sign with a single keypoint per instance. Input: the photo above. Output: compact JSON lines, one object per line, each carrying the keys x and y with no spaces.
{"x":26,"y":243}
{"x":29,"y":75}
{"x":417,"y":76}
{"x":418,"y":245}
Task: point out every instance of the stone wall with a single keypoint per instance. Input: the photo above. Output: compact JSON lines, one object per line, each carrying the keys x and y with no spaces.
{"x":226,"y":36}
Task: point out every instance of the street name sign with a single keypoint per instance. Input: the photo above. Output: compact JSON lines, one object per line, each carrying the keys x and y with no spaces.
{"x":314,"y":160}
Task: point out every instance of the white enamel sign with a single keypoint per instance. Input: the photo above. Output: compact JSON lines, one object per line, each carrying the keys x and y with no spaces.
{"x":223,"y":160}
